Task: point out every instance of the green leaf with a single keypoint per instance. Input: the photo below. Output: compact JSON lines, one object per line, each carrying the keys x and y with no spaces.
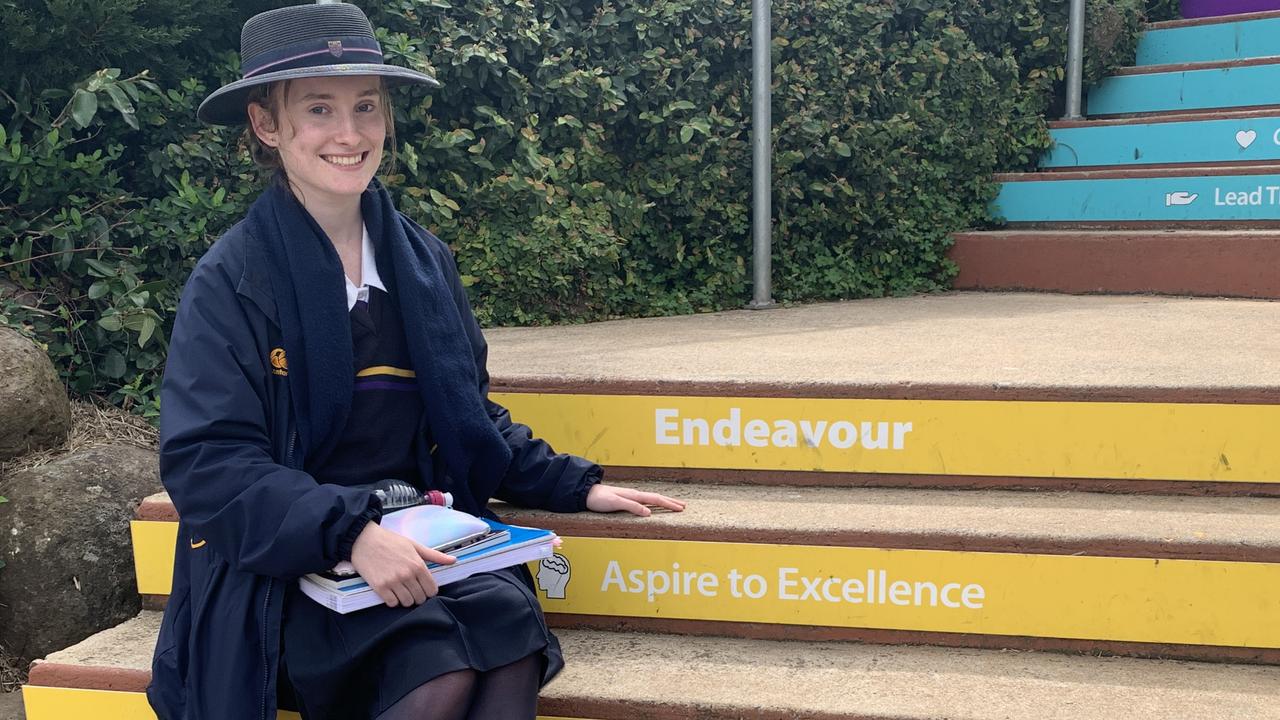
{"x":111,"y":323}
{"x":84,"y":105}
{"x":439,"y":198}
{"x":148,"y":329}
{"x":113,"y":365}
{"x":99,"y":290}
{"x":119,"y":99}
{"x":686,"y":133}
{"x":97,"y":268}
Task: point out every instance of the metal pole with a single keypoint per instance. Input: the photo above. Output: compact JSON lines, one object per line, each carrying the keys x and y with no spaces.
{"x":761,"y":155}
{"x":1075,"y":59}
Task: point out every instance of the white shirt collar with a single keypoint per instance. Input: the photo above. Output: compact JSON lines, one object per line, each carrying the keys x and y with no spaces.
{"x":368,"y":273}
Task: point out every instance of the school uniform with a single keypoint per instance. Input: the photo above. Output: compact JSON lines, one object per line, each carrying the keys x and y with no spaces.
{"x":262,"y":503}
{"x":338,"y":666}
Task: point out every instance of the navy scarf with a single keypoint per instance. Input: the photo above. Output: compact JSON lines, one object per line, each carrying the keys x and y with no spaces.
{"x":308,"y":283}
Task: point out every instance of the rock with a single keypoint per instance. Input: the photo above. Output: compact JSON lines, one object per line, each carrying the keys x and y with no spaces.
{"x":34,"y":411}
{"x":64,"y":539}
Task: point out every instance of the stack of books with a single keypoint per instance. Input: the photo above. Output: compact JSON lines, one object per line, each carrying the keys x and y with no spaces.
{"x":479,"y":545}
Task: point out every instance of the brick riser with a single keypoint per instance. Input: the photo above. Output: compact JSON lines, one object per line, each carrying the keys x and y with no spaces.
{"x":1222,"y":264}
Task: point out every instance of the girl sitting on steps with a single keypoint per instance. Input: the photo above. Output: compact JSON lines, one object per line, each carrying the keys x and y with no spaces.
{"x":325,"y":342}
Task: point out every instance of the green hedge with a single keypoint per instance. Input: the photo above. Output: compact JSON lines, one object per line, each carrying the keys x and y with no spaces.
{"x":585,"y":159}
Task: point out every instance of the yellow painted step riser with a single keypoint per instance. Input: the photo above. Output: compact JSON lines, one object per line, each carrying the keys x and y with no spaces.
{"x":1195,"y":602}
{"x":1083,"y":440}
{"x":48,"y":703}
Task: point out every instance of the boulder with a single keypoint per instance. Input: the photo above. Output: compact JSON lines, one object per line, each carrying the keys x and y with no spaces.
{"x":64,"y":539}
{"x":34,"y":411}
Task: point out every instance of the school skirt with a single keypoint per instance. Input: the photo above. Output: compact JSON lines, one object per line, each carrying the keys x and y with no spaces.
{"x":344,"y":667}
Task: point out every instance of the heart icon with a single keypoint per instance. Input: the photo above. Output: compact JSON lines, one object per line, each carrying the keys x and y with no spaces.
{"x":1245,"y":138}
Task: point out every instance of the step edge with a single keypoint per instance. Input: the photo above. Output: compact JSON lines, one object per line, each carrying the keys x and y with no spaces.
{"x":1167,"y":116}
{"x":88,"y":677}
{"x":1153,"y":114}
{"x":1013,"y":541}
{"x":1236,"y":395}
{"x":1189,"y":67}
{"x":1145,"y":225}
{"x":1142,"y":173}
{"x":943,"y":540}
{"x":1221,"y":655}
{"x":1170,"y":235}
{"x":1137,"y":166}
{"x":1213,"y":20}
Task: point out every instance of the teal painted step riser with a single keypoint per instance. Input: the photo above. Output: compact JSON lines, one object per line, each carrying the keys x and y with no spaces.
{"x":1203,"y":141}
{"x":1210,"y":43}
{"x":1192,"y":90}
{"x":1241,"y":197}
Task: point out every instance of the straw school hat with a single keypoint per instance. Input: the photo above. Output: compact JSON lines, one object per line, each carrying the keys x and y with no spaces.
{"x":302,"y":41}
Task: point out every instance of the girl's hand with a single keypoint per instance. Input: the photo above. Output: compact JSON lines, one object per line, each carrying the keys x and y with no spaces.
{"x":395,"y":566}
{"x":609,"y":498}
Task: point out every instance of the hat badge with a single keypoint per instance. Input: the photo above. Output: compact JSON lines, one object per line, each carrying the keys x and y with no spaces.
{"x":335,"y":48}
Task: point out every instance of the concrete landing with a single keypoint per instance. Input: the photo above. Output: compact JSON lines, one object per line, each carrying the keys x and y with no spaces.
{"x":11,"y":706}
{"x":659,"y":676}
{"x":617,"y":676}
{"x":1014,"y":340}
{"x":1065,"y":523}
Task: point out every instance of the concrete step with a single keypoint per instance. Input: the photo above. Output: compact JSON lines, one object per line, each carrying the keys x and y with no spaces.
{"x":1099,"y":393}
{"x":1217,"y":138}
{"x":632,"y":676}
{"x":1185,"y":577}
{"x":1201,"y":196}
{"x":1210,"y":263}
{"x":1187,"y":86}
{"x":1233,"y":37}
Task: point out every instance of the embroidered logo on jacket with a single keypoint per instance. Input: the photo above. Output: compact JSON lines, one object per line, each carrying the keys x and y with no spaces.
{"x":279,"y":364}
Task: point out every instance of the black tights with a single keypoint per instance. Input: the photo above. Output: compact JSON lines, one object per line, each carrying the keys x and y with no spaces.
{"x":506,"y":693}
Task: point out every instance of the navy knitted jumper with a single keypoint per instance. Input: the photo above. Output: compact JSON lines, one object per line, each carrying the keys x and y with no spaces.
{"x":386,"y":408}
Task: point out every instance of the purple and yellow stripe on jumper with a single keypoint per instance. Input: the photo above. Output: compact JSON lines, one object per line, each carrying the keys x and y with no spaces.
{"x":385,"y":377}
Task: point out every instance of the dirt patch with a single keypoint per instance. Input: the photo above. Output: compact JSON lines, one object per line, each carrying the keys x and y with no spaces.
{"x":92,"y":423}
{"x":13,"y":673}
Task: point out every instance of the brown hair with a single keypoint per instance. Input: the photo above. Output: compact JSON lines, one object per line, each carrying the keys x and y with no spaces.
{"x":266,"y":95}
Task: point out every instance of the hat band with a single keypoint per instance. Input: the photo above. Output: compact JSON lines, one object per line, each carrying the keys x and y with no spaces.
{"x":314,"y":53}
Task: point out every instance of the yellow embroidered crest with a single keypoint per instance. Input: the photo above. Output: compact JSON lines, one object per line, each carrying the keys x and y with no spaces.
{"x":279,"y":364}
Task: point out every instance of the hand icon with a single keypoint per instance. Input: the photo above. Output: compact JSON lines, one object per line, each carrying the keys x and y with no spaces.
{"x":1179,"y":198}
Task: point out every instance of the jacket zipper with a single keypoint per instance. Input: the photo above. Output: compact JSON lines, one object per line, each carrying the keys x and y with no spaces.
{"x":266,"y":604}
{"x":288,"y":454}
{"x":266,"y":665}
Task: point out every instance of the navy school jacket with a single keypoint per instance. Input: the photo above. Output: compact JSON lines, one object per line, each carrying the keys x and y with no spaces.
{"x":251,"y":520}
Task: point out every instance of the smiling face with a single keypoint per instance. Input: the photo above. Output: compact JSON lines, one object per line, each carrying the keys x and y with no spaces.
{"x":329,"y":133}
